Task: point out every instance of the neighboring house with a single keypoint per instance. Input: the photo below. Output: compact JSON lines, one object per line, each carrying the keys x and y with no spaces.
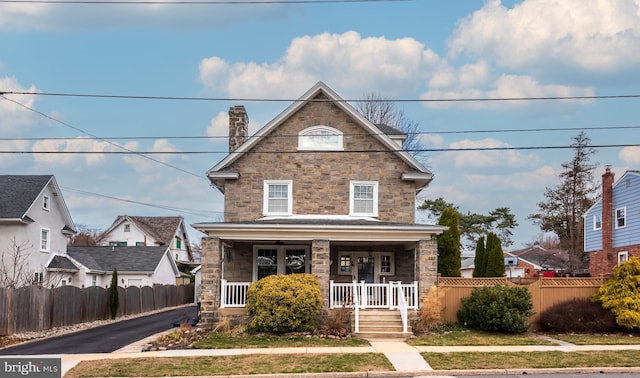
{"x":129,"y":230}
{"x":136,"y":266}
{"x":467,"y":264}
{"x":319,"y":189}
{"x":516,"y":266}
{"x":612,"y":224}
{"x":34,"y":223}
{"x":548,"y":260}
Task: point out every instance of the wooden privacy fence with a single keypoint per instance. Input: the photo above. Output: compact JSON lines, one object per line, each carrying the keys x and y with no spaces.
{"x":545,"y":292}
{"x":36,"y":308}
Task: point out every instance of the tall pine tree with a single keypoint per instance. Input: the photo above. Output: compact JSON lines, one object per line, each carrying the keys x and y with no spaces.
{"x":449,"y":244}
{"x":479,"y":262}
{"x":495,"y":257}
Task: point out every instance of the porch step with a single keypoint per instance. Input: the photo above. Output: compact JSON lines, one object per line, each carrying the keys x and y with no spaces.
{"x":380,"y":324}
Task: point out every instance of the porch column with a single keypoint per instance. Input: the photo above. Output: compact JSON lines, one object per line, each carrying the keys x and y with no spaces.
{"x":426,"y":266}
{"x":210,"y":286}
{"x":320,"y":266}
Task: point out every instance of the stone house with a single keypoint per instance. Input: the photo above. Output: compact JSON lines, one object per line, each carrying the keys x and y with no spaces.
{"x":321,"y":190}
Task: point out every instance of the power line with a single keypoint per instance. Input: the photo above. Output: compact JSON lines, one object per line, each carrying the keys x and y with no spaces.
{"x":240,"y":99}
{"x":201,"y":213}
{"x":205,"y":2}
{"x":488,"y":131}
{"x":503,"y":148}
{"x":101,"y":139}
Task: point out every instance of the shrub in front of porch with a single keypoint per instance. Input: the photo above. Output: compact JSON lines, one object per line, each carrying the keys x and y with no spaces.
{"x":284,"y":303}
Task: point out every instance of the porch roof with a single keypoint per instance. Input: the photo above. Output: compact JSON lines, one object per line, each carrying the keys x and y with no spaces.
{"x":332,"y":229}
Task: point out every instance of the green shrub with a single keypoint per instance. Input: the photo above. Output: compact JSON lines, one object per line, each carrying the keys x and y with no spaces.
{"x":284,"y":303}
{"x":497,"y":309}
{"x":577,"y":316}
{"x":621,"y":294}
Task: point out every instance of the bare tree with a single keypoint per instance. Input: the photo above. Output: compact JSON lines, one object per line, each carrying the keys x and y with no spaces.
{"x":14,"y":267}
{"x":86,"y":236}
{"x":380,"y":110}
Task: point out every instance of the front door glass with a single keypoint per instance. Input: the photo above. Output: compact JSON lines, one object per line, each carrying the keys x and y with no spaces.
{"x":267,"y":262}
{"x":366,"y":269}
{"x":295,"y":260}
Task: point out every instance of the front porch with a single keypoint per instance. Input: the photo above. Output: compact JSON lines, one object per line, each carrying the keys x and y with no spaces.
{"x":359,"y":264}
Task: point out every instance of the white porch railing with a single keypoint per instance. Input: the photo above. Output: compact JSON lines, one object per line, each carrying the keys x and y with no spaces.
{"x":391,"y":295}
{"x":371,"y":295}
{"x":233,"y":294}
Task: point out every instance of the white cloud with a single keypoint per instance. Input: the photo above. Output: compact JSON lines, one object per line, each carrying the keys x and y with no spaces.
{"x":219,"y":126}
{"x":475,"y":82}
{"x":341,"y":60}
{"x":594,"y":36}
{"x":630,"y":155}
{"x":432,"y":141}
{"x":11,"y":145}
{"x":14,"y":117}
{"x":147,"y":165}
{"x":484,"y":158}
{"x":66,"y":149}
{"x":529,"y":181}
{"x":53,"y":17}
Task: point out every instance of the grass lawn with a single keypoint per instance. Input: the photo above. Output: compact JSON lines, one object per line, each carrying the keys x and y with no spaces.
{"x":221,"y":341}
{"x":599,"y":339}
{"x":511,"y":360}
{"x":229,"y":365}
{"x":467,"y":337}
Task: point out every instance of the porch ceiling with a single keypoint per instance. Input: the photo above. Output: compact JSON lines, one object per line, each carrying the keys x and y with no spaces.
{"x":344,"y":232}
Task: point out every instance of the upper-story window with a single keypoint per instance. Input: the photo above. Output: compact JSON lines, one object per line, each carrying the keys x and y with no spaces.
{"x":278,"y":197}
{"x":127,"y":227}
{"x":320,"y":138}
{"x":45,"y":239}
{"x":178,"y":242}
{"x":45,"y":202}
{"x":363,"y":198}
{"x":621,"y":217}
{"x":597,"y":222}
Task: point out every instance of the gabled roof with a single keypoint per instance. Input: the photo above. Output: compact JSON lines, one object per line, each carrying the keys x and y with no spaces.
{"x":62,"y":263}
{"x":621,"y":179}
{"x":420,"y":173}
{"x":544,"y":258}
{"x":162,"y":229}
{"x":131,"y":259}
{"x":18,"y":193}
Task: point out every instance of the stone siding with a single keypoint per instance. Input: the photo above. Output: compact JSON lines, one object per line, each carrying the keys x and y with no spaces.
{"x":210,"y":286}
{"x":321,"y":180}
{"x":426,"y":267}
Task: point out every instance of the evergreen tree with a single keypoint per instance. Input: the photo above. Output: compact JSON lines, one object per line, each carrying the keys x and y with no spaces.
{"x":564,"y":205}
{"x":479,"y":261}
{"x":495,"y":257}
{"x":114,"y":301}
{"x":449,"y":244}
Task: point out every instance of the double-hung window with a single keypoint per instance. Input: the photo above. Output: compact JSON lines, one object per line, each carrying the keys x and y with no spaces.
{"x":597,"y":222}
{"x":621,"y":217}
{"x":45,"y":239}
{"x":363,"y":198}
{"x":278,"y":197}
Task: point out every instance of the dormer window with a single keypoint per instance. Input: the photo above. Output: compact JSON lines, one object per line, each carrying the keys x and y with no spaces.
{"x":320,"y":138}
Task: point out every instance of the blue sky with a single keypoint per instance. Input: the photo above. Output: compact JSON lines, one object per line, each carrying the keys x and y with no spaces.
{"x":398,"y":49}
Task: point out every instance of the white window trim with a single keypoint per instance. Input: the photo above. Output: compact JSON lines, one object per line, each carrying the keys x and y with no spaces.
{"x":309,"y":130}
{"x":623,"y":257}
{"x":615,"y":216}
{"x":127,"y":227}
{"x":281,"y":267}
{"x":47,"y":247}
{"x":46,"y":203}
{"x":340,"y":256}
{"x":265,"y":203}
{"x":352,"y":185}
{"x":595,"y":223}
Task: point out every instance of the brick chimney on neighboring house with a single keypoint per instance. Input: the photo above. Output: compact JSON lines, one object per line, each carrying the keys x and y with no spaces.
{"x":604,"y":260}
{"x":238,"y":127}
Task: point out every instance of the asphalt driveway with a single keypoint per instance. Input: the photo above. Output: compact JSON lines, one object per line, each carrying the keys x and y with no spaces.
{"x":103,"y":339}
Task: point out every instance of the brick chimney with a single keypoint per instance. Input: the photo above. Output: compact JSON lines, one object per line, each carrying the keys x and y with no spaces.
{"x":238,"y":127}
{"x":607,"y":220}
